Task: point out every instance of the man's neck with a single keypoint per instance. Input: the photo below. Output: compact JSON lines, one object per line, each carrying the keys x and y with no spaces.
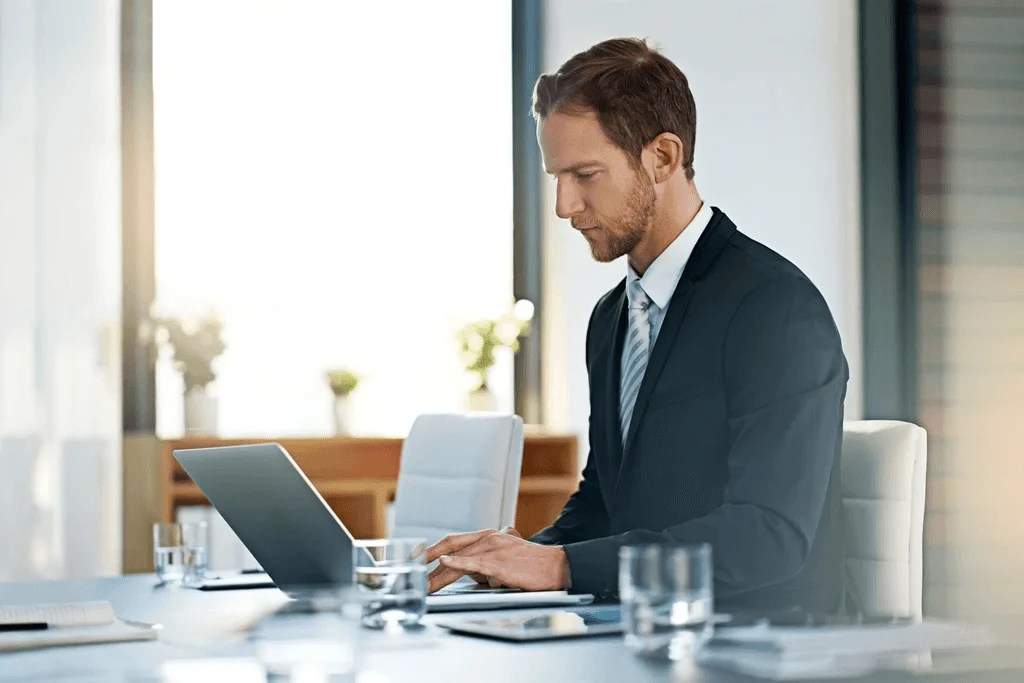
{"x":669,"y":222}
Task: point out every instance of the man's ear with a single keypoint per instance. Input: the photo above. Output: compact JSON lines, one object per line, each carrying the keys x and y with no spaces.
{"x":667,"y":153}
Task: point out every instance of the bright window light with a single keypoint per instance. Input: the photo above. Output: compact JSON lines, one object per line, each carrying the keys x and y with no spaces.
{"x":335,"y":180}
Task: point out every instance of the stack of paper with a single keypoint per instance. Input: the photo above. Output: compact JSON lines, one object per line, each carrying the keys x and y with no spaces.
{"x":785,"y":653}
{"x":68,"y":624}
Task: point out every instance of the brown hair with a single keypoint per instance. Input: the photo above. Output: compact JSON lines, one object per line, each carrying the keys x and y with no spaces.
{"x":636,"y":92}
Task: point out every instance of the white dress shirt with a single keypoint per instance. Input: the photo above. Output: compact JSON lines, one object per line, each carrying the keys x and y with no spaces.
{"x":661,"y":278}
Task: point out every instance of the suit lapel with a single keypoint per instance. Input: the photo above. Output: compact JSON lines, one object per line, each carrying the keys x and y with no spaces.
{"x":710,"y":244}
{"x":614,"y":430}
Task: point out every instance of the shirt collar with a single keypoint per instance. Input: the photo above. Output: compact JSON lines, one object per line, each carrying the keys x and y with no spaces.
{"x":662,"y":277}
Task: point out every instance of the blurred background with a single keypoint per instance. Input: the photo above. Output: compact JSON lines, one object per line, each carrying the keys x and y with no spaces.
{"x":260,"y":219}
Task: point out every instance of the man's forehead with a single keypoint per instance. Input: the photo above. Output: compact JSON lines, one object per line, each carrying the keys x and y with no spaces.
{"x":569,"y":140}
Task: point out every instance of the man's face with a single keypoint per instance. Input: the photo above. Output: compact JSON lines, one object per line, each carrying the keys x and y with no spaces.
{"x":602,"y":194}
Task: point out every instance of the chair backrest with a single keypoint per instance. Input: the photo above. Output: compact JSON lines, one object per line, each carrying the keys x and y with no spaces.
{"x":458,"y":473}
{"x":883,"y":484}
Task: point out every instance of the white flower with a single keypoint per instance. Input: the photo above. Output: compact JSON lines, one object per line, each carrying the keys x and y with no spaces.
{"x":507,"y":331}
{"x":523,"y":310}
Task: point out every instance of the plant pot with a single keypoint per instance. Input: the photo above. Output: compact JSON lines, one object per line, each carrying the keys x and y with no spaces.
{"x":482,"y":401}
{"x":343,"y":415}
{"x":200,"y":412}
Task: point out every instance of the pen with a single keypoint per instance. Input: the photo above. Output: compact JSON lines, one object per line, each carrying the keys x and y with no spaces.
{"x":29,"y":626}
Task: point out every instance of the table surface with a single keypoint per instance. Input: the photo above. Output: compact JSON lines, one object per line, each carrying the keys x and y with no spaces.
{"x":213,"y":624}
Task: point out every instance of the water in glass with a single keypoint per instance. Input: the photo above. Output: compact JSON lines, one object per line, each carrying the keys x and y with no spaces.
{"x":667,"y":599}
{"x":179,"y":552}
{"x":178,"y":563}
{"x":391,"y":581}
{"x":392,"y":595}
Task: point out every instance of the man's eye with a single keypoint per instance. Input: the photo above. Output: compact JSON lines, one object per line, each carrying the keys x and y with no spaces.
{"x":584,"y":176}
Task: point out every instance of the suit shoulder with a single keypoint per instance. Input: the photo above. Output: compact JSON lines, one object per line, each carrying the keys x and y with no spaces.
{"x":757,"y":274}
{"x":603,"y":316}
{"x":760,"y":260}
{"x":607,"y":302}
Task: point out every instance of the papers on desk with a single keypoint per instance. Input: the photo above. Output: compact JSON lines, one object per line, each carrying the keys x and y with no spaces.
{"x":68,"y":624}
{"x":789,"y":653}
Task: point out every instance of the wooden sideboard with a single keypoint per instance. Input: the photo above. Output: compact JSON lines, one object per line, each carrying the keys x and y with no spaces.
{"x":357,"y":477}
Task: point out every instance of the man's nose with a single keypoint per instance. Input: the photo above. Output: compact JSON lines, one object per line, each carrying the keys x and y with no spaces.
{"x":568,"y":202}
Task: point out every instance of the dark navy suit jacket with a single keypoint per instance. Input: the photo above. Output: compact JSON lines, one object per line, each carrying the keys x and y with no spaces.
{"x":735,"y":436}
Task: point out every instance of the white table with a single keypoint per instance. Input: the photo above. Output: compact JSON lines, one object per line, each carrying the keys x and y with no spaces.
{"x":199,"y":624}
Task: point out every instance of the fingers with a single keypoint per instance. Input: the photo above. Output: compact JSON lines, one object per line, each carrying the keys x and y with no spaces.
{"x":443,"y":576}
{"x":454,"y":567}
{"x":468,"y":565}
{"x":454,"y":543}
{"x":477,"y":548}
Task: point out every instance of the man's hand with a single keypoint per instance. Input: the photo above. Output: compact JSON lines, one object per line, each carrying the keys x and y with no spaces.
{"x":499,"y":559}
{"x":456,"y":542}
{"x":494,"y":583}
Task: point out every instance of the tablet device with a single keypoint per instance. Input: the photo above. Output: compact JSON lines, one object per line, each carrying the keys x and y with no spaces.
{"x":548,"y":625}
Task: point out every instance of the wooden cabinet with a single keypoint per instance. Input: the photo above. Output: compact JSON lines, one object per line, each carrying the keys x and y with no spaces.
{"x":357,"y":477}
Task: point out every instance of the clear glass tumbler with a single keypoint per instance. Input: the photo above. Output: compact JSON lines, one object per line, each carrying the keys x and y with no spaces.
{"x":391,"y":581}
{"x":315,"y":636}
{"x":667,"y":598}
{"x":180,"y":552}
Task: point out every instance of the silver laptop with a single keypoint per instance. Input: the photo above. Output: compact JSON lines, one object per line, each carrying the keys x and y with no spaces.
{"x":296,"y":537}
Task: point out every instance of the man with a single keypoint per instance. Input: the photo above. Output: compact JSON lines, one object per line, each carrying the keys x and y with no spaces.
{"x":717,"y":377}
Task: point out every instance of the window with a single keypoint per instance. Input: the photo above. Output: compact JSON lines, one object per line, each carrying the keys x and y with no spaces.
{"x":335,"y":180}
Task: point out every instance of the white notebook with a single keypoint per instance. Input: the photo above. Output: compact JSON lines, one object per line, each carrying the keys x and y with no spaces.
{"x":791,"y":653}
{"x":78,"y":623}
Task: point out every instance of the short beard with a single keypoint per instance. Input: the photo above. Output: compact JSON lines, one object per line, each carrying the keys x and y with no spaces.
{"x":630,"y":227}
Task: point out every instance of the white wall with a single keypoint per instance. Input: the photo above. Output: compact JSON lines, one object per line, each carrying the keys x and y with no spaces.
{"x":775,"y":82}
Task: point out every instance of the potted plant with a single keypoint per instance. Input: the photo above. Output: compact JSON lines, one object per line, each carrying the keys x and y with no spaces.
{"x":481,"y":338}
{"x":195,"y":344}
{"x":342,"y":382}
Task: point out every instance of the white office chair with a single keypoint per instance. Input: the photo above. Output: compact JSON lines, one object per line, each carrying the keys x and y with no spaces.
{"x":883,"y":485}
{"x":458,"y":473}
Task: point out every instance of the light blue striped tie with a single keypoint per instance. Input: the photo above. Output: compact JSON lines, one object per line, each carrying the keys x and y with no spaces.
{"x":634,"y":352}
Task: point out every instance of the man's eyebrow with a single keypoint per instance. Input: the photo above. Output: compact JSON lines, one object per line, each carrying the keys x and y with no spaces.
{"x":575,"y":167}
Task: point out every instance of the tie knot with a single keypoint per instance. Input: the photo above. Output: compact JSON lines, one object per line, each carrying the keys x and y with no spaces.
{"x":637,"y":296}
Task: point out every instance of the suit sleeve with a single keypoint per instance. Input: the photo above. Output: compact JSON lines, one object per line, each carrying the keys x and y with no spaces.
{"x":584,"y":515}
{"x":785,"y":376}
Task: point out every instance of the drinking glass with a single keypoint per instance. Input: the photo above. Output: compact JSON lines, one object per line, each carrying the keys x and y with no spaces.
{"x":667,"y":598}
{"x":180,"y":552}
{"x":391,"y":581}
{"x":315,"y":636}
